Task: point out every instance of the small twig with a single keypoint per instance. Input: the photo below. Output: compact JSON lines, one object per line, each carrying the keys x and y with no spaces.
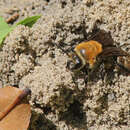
{"x":13,"y":18}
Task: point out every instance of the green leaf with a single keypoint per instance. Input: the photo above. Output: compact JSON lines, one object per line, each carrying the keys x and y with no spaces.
{"x":4,"y":29}
{"x":3,"y":24}
{"x":29,"y":21}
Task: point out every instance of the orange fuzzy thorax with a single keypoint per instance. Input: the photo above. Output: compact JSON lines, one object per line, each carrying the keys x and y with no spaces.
{"x":92,"y":50}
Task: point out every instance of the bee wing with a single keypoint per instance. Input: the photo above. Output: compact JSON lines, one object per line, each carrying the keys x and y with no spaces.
{"x":104,"y":38}
{"x":113,"y":51}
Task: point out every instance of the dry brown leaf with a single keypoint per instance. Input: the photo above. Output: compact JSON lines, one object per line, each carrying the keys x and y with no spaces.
{"x":14,"y":116}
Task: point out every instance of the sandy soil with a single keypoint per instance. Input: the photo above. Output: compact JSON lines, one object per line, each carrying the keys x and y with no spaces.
{"x":61,"y":99}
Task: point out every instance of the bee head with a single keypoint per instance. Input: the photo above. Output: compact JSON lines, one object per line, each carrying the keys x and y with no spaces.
{"x":75,"y":62}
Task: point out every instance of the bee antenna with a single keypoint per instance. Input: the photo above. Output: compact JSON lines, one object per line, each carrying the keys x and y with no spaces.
{"x":94,"y":35}
{"x":64,"y":51}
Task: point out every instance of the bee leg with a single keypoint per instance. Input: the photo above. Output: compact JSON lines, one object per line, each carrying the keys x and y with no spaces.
{"x":109,"y":70}
{"x":76,"y":84}
{"x":126,"y":44}
{"x":90,"y":75}
{"x":88,"y":71}
{"x":123,"y":64}
{"x":96,"y":66}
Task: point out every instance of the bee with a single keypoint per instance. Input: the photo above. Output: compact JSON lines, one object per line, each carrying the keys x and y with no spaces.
{"x":99,"y":50}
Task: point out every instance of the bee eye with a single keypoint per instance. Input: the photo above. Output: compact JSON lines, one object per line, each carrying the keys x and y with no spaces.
{"x":76,"y":64}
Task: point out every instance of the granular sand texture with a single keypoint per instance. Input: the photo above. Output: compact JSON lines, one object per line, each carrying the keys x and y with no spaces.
{"x":61,"y":99}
